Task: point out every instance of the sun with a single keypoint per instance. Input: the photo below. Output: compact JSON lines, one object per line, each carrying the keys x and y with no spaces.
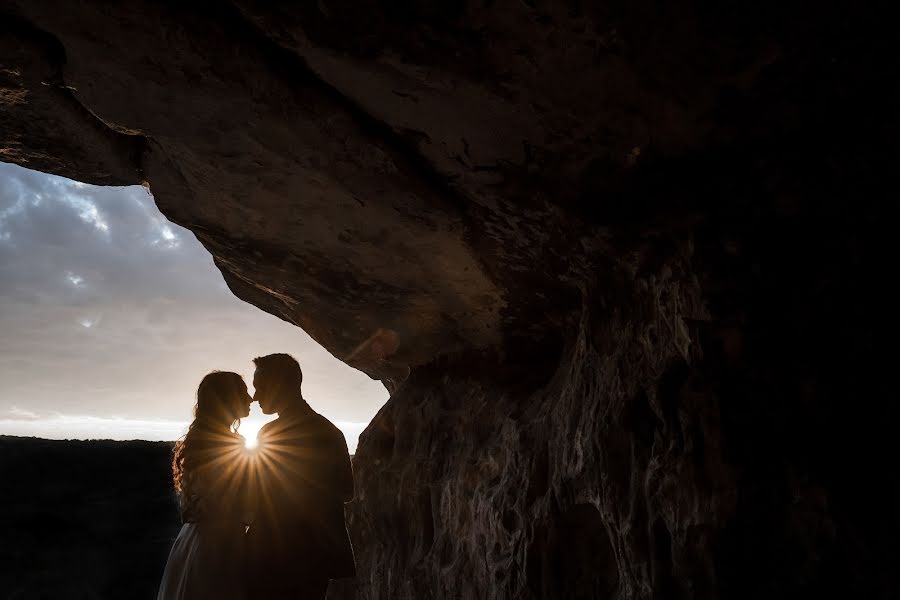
{"x":251,"y":425}
{"x":250,"y":433}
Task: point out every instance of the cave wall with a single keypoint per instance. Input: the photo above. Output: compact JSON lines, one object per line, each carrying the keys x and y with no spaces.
{"x":666,"y":454}
{"x":622,"y":266}
{"x":550,"y":493}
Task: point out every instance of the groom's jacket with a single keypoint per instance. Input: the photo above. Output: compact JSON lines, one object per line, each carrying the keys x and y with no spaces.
{"x":303,"y":478}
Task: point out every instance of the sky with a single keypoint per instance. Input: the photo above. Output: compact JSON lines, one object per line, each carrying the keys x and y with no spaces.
{"x":110,"y":316}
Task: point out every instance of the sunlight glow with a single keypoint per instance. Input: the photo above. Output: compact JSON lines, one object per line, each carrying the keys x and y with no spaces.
{"x":56,"y":426}
{"x":251,"y":425}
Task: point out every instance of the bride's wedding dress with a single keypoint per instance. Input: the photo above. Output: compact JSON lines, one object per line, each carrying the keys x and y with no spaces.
{"x":207,"y":558}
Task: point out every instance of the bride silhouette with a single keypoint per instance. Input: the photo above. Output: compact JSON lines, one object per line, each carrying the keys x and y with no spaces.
{"x":210,"y":469}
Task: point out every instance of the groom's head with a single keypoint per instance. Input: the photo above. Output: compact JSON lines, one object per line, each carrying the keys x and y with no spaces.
{"x":277,"y":382}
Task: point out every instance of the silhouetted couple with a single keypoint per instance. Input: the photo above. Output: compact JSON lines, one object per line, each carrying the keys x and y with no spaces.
{"x":262,"y":524}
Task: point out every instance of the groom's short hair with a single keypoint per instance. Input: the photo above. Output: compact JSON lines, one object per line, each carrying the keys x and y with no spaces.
{"x":280,"y":366}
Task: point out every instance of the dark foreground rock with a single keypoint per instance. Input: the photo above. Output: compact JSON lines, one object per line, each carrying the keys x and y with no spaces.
{"x":622,"y":265}
{"x":84,"y":519}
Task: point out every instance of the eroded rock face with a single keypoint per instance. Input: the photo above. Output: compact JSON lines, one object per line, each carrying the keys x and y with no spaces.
{"x":620,"y":265}
{"x":549,"y":493}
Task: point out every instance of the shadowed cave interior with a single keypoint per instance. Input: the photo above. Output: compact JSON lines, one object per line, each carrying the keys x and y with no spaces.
{"x":622,"y":267}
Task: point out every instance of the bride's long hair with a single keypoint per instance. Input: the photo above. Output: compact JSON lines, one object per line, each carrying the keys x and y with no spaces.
{"x":219,"y":400}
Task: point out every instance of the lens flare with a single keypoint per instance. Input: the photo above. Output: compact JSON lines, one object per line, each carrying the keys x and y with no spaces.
{"x":251,"y":424}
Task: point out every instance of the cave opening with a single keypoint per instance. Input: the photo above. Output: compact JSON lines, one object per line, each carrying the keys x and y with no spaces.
{"x":125,"y":311}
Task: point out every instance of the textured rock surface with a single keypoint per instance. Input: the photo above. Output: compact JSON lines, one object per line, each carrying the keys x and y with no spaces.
{"x":630,"y":257}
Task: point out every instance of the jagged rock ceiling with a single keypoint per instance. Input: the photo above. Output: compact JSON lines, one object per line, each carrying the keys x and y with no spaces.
{"x":443,"y":174}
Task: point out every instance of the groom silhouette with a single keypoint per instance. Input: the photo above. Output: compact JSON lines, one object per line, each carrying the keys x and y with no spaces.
{"x":297,"y":540}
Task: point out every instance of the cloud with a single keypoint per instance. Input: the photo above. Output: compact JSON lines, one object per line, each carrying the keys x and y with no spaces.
{"x":25,"y":415}
{"x":107,"y":309}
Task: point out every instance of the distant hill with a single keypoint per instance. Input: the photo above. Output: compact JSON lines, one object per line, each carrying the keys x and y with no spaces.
{"x":84,"y":519}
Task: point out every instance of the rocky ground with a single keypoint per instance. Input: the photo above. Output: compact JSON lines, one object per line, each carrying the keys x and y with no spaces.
{"x":84,"y":519}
